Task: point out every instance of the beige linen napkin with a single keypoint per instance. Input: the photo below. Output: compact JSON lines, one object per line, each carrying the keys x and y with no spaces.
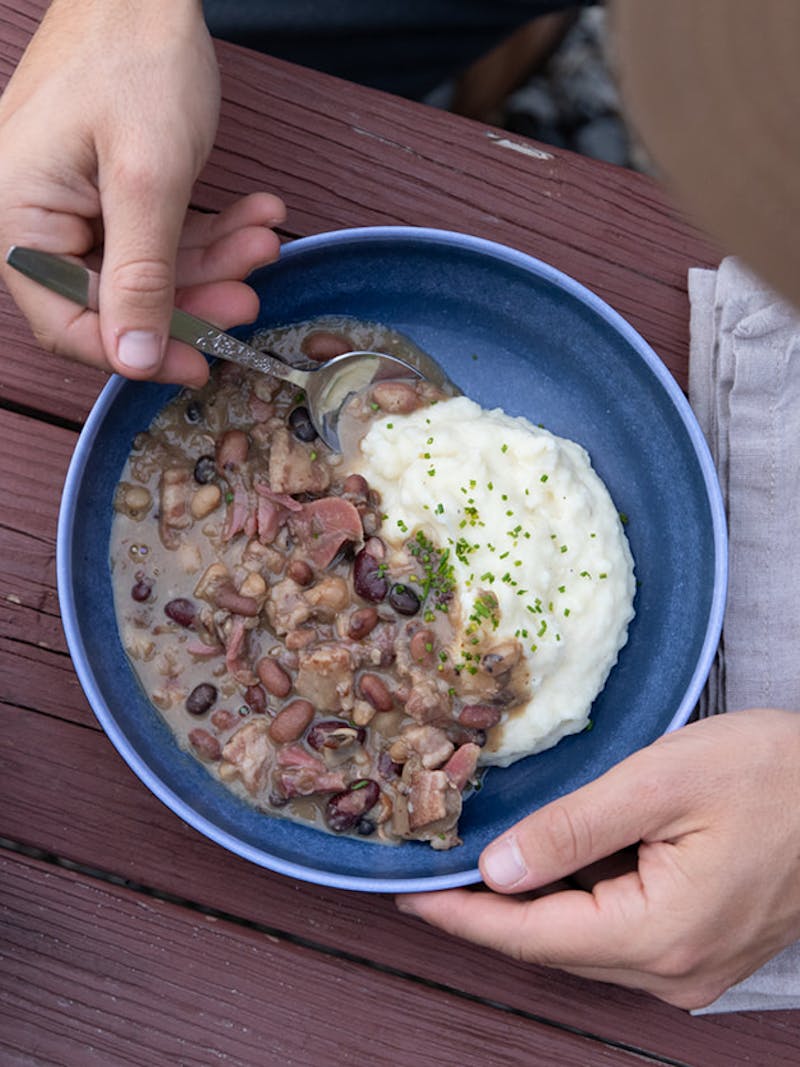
{"x":744,"y":386}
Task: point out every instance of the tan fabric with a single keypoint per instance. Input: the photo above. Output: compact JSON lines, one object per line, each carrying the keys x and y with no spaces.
{"x":712,"y":87}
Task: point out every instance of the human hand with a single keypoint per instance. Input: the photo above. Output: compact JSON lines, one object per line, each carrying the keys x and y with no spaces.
{"x":710,"y":894}
{"x":103,"y":129}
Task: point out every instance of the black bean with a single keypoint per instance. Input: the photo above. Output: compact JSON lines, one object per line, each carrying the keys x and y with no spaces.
{"x":194,"y":412}
{"x":344,"y":811}
{"x":201,"y":698}
{"x":368,"y":577}
{"x":205,"y":469}
{"x":403,"y":599}
{"x":301,"y":425}
{"x":142,"y":589}
{"x":365,"y":827}
{"x":181,"y":611}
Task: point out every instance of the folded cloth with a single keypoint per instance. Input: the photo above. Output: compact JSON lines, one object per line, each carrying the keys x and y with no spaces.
{"x":744,"y":387}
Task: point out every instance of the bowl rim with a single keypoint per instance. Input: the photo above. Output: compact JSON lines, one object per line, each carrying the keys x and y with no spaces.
{"x":299,"y":246}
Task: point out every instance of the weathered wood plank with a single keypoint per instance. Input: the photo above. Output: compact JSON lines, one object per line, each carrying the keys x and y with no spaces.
{"x":97,"y":974}
{"x":65,"y":790}
{"x":33,"y":464}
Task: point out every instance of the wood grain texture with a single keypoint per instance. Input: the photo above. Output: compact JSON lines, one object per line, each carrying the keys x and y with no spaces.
{"x":95,"y":974}
{"x":66,"y":791}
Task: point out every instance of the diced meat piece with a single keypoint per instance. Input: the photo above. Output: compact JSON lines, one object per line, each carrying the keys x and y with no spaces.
{"x":427,"y":807}
{"x":461,"y":766}
{"x":200,"y":650}
{"x":325,"y":677}
{"x":292,"y":468}
{"x":427,"y":702}
{"x":236,"y":653}
{"x":174,"y":515}
{"x":323,"y":526}
{"x":431,"y":744}
{"x":287,"y":608}
{"x":272,"y":511}
{"x":300,"y":774}
{"x":241,"y":515}
{"x":248,"y":755}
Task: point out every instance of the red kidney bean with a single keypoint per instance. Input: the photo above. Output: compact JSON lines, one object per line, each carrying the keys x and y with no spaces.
{"x":479,"y":716}
{"x":201,"y":698}
{"x":273,"y":677}
{"x":362,"y":622}
{"x":300,"y":571}
{"x":232,"y":449}
{"x":369,"y":580}
{"x":301,"y":425}
{"x":403,"y":599}
{"x":334,"y":733}
{"x":374,"y":689}
{"x":142,"y":589}
{"x":205,"y":470}
{"x":181,"y":611}
{"x":291,"y":721}
{"x":345,"y":810}
{"x":205,"y":744}
{"x":324,"y":344}
{"x":422,"y":648}
{"x":256,"y":698}
{"x":396,"y":398}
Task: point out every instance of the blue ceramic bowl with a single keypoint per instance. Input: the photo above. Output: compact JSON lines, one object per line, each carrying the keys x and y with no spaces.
{"x":512,"y":332}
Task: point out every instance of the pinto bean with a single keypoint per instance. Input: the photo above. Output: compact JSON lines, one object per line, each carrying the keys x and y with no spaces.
{"x":355,"y":485}
{"x":273,"y":677}
{"x":421,"y":646}
{"x":224,"y":719}
{"x":205,"y":500}
{"x":362,"y":622}
{"x":479,"y":716}
{"x":395,"y":398}
{"x":374,"y":689}
{"x":322,"y":345}
{"x":205,"y":744}
{"x":232,"y":450}
{"x":291,"y":721}
{"x":299,"y":638}
{"x":501,"y":658}
{"x":253,"y":585}
{"x":329,"y":595}
{"x":300,"y":571}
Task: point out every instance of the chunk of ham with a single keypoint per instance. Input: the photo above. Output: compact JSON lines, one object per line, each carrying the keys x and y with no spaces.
{"x":431,"y":744}
{"x":427,"y":806}
{"x":461,"y":766}
{"x":299,"y":774}
{"x":248,"y":756}
{"x":272,"y":511}
{"x":323,"y":526}
{"x":293,"y":466}
{"x":325,"y":677}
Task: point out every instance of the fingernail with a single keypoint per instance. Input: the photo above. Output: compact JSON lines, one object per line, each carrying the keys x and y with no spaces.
{"x":404,"y":905}
{"x":503,"y":863}
{"x":139,"y":350}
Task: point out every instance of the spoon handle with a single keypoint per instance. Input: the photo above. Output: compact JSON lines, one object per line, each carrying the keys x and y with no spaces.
{"x":81,"y":285}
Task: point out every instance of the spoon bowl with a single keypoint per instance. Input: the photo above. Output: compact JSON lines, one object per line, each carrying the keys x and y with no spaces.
{"x":327,"y":388}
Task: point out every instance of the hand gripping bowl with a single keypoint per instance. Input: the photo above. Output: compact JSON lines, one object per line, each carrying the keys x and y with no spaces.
{"x":511,"y":332}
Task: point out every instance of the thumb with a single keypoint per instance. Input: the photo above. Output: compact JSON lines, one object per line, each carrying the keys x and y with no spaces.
{"x":619,"y":809}
{"x":143,"y":214}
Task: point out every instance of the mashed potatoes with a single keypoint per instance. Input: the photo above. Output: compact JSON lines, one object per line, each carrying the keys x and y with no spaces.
{"x":528,"y":520}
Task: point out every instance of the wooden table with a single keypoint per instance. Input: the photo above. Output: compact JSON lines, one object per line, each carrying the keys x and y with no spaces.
{"x":127,"y":938}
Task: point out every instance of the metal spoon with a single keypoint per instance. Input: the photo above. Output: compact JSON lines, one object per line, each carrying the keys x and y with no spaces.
{"x":327,"y":388}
